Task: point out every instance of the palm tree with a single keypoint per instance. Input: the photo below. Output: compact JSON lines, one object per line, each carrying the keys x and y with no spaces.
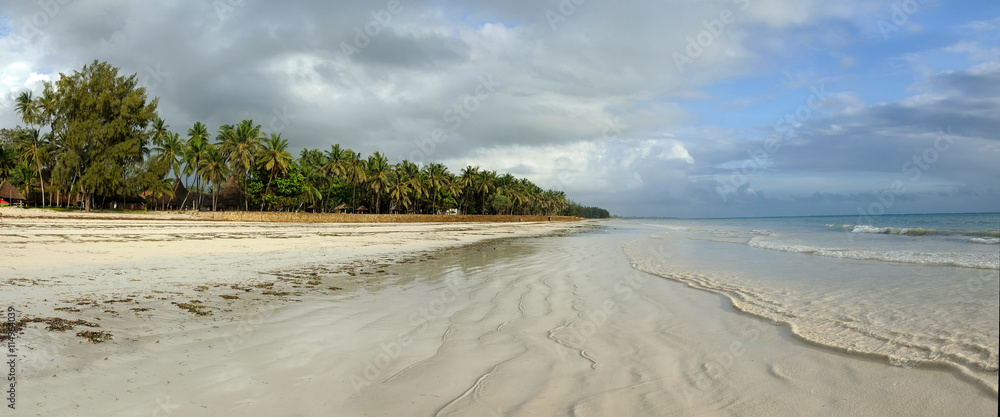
{"x":506,"y":186}
{"x":159,"y":131}
{"x":240,"y":144}
{"x":311,"y":157}
{"x":214,"y":170}
{"x":485,"y":183}
{"x":28,"y":108}
{"x":197,"y":144}
{"x":452,"y":188}
{"x":64,"y":172}
{"x":468,"y":182}
{"x":163,"y":187}
{"x":355,"y":172}
{"x":378,"y":177}
{"x":408,"y":173}
{"x":274,"y":157}
{"x":49,"y":105}
{"x":437,"y":177}
{"x":334,"y":165}
{"x":170,"y":150}
{"x":21,"y":177}
{"x":34,"y":152}
{"x":399,"y":190}
{"x":312,"y":181}
{"x":8,"y":160}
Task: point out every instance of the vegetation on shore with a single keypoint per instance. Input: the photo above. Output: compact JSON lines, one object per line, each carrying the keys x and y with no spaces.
{"x":94,"y":138}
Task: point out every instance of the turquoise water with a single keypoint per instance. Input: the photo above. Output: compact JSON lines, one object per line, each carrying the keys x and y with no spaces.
{"x":913,"y":289}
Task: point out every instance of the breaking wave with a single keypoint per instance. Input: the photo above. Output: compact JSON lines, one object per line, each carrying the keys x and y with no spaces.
{"x":914,"y":231}
{"x":965,"y":260}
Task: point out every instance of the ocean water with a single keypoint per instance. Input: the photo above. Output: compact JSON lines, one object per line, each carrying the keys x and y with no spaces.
{"x":909,"y":289}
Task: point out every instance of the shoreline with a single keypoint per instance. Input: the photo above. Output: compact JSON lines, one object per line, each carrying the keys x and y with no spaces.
{"x":274,"y":217}
{"x":793,"y":335}
{"x":980,"y":375}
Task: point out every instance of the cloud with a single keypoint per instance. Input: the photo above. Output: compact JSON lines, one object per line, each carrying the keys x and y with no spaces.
{"x":585,"y":97}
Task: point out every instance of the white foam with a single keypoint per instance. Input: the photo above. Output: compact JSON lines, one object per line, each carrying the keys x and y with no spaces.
{"x":988,"y":241}
{"x":965,"y":260}
{"x":873,"y":317}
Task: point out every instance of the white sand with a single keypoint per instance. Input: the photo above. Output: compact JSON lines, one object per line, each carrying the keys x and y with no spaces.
{"x":543,"y":327}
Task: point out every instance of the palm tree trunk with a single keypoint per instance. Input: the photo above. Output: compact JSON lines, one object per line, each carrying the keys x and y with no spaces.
{"x":41,"y":182}
{"x":263,"y":198}
{"x":246,"y":196}
{"x":197,"y":180}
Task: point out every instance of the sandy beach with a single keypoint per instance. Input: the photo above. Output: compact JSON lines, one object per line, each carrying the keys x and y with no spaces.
{"x":478,"y":319}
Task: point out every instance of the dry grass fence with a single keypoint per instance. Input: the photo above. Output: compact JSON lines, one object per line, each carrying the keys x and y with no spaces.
{"x":285,"y":217}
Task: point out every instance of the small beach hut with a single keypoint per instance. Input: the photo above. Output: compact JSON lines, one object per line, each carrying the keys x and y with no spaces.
{"x":232,"y":196}
{"x":394,"y":209}
{"x":362,"y":209}
{"x":343,"y":208}
{"x":9,"y":193}
{"x":173,"y":202}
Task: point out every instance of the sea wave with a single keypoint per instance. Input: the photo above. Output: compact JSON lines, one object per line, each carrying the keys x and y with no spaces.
{"x":988,"y":241}
{"x":665,"y":226}
{"x":965,"y":260}
{"x":913,"y":231}
{"x":844,"y":322}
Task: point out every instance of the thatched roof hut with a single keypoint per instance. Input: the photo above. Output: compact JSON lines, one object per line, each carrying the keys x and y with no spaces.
{"x":343,"y":208}
{"x":232,"y":196}
{"x":362,"y":209}
{"x":9,"y":193}
{"x":394,"y":209}
{"x":174,"y":202}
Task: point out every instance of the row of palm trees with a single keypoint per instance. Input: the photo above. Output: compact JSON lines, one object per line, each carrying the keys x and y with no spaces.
{"x":23,"y":157}
{"x":405,"y":186}
{"x":241,"y":150}
{"x":243,"y":153}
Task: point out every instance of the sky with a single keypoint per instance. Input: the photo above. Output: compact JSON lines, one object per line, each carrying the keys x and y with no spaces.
{"x":646,"y":108}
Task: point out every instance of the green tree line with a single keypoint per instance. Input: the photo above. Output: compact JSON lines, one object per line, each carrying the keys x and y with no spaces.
{"x":95,"y":135}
